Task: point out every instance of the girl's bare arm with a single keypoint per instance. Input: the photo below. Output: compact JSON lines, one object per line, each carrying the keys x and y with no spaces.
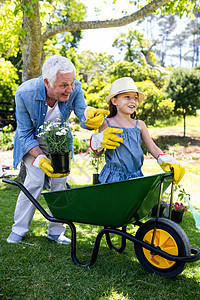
{"x":151,"y":146}
{"x":103,"y":126}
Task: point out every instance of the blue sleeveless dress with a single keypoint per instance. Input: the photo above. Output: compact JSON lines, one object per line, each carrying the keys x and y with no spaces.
{"x":125,"y":161}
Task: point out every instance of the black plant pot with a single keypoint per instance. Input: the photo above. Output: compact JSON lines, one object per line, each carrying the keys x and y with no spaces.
{"x":61,"y":162}
{"x":177,"y":216}
{"x":154,"y":211}
{"x":96,"y":179}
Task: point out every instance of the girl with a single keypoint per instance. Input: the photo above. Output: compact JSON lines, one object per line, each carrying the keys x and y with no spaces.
{"x":124,"y":158}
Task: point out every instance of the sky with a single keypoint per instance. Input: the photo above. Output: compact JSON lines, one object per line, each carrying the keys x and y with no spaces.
{"x":100,"y":40}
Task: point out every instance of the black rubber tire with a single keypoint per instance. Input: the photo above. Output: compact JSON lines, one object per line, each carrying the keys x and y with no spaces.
{"x":181,"y":240}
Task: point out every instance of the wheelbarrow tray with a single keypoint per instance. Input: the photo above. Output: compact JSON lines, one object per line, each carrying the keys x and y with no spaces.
{"x":111,"y":204}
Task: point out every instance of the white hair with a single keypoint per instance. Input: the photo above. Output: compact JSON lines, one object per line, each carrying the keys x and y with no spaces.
{"x":54,"y":64}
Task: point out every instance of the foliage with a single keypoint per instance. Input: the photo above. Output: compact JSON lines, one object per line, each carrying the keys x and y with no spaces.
{"x":156,"y":105}
{"x":163,"y":204}
{"x":8,"y":85}
{"x":128,"y":69}
{"x":183,"y":87}
{"x":57,"y":136}
{"x":180,"y":7}
{"x":93,"y":64}
{"x":10,"y":30}
{"x":98,"y":99}
{"x":80,"y":145}
{"x":55,"y":17}
{"x":7,"y":138}
{"x":97,"y":161}
{"x":59,"y":12}
{"x":180,"y":194}
{"x":99,"y":70}
{"x":138,"y":49}
{"x":138,"y":72}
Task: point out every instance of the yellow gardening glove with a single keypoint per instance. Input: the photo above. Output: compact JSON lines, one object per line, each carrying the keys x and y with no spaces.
{"x":106,"y":139}
{"x":167,"y":163}
{"x":42,"y":162}
{"x":94,"y":117}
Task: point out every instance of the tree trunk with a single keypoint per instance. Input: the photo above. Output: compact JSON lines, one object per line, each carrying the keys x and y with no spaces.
{"x":184,"y":120}
{"x":31,"y":45}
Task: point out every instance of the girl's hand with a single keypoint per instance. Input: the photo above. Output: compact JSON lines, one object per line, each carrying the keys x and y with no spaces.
{"x":106,"y":139}
{"x":167,"y":163}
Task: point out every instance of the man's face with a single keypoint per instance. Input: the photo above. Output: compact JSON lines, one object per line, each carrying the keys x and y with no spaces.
{"x":62,"y":87}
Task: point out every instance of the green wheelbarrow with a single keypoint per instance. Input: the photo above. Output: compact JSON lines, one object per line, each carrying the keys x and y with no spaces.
{"x":161,"y":246}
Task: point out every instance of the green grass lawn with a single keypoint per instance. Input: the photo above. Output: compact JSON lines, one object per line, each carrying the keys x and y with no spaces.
{"x":41,"y":269}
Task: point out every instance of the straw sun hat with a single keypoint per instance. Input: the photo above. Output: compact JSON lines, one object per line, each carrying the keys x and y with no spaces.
{"x":122,"y":85}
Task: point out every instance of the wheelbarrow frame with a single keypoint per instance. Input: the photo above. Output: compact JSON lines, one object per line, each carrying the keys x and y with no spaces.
{"x":113,"y":230}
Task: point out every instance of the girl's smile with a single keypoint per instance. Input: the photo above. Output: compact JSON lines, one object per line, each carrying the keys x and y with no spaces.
{"x":126,"y":102}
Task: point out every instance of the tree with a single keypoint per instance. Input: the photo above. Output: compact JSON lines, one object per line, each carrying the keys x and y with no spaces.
{"x":138,"y":49}
{"x":193,"y":29}
{"x":92,"y":65}
{"x":179,"y":42}
{"x":167,"y":24}
{"x":138,"y":72}
{"x":36,"y":35}
{"x":183,"y":87}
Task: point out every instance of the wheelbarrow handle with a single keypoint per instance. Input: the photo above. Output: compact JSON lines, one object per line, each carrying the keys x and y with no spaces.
{"x":13,"y":182}
{"x":32,"y":199}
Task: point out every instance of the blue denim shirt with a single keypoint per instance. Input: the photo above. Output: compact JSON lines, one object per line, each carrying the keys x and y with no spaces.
{"x":31,"y":109}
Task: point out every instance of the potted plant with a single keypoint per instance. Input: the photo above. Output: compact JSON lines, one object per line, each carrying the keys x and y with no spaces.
{"x":177,"y":208}
{"x":96,"y":161}
{"x":177,"y":212}
{"x":58,"y":138}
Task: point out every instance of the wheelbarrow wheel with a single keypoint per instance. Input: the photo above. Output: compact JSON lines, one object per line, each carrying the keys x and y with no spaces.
{"x":169,"y":237}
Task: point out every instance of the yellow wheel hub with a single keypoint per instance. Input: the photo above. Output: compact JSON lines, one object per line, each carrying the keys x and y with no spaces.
{"x":165,"y":242}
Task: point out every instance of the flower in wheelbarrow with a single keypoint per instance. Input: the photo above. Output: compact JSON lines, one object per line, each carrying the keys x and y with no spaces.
{"x":57,"y":136}
{"x":179,"y":207}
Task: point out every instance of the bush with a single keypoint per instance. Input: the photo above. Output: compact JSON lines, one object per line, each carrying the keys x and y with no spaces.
{"x":7,"y":90}
{"x":7,"y":138}
{"x":80,"y":146}
{"x":183,"y":87}
{"x":156,"y":106}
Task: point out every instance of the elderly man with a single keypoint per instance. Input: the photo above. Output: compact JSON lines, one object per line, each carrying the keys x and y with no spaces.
{"x":53,"y":95}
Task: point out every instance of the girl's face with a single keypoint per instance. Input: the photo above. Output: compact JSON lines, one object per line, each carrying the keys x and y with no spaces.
{"x":126,"y":102}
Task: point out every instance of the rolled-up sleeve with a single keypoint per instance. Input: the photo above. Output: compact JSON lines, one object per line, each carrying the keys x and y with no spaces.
{"x":79,"y":105}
